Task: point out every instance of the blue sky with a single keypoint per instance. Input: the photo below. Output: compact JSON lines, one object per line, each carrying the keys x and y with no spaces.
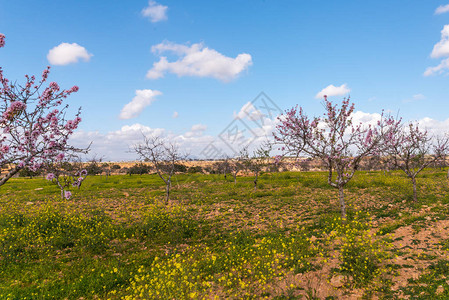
{"x":376,"y":51}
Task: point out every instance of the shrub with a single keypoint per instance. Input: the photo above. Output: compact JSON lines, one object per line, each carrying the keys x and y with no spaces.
{"x":180,"y":168}
{"x":195,"y":169}
{"x":139,"y":169}
{"x":28,"y":173}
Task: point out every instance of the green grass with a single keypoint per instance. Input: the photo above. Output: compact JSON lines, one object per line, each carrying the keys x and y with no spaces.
{"x":116,"y":239}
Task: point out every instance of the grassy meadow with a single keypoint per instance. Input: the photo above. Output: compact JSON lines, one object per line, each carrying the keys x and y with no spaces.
{"x":115,"y":239}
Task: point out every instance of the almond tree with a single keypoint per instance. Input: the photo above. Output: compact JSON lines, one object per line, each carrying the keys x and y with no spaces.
{"x":222,"y":166}
{"x":33,"y":126}
{"x":106,"y":168}
{"x":333,"y":139}
{"x":163,"y":155}
{"x":412,"y":149}
{"x":256,"y":162}
{"x":235,"y":166}
{"x":82,"y":169}
{"x":66,"y":171}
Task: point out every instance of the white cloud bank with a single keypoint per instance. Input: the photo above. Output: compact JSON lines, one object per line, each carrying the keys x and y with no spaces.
{"x":155,"y":12}
{"x":441,"y":49}
{"x":197,"y":60}
{"x":66,"y":53}
{"x":116,"y":145}
{"x":435,"y":127}
{"x":332,"y":90}
{"x":442,"y":9}
{"x":142,"y":99}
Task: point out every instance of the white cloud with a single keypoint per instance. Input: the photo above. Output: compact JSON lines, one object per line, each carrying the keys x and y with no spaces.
{"x":435,"y":127}
{"x":250,"y":112}
{"x":196,"y":131}
{"x":360,"y":117}
{"x":266,"y":130}
{"x":198,"y":127}
{"x":66,"y":53}
{"x":155,"y":12}
{"x":440,"y":69}
{"x":175,"y":115}
{"x":197,"y":60}
{"x":133,"y":132}
{"x":442,"y":9}
{"x":416,"y":97}
{"x":142,"y":99}
{"x":117,"y":145}
{"x":442,"y":47}
{"x":262,"y":126}
{"x":332,"y":90}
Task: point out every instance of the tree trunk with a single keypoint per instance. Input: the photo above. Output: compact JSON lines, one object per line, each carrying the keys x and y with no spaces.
{"x":415,"y":195}
{"x":167,"y":189}
{"x":342,"y":202}
{"x":235,"y":179}
{"x":10,"y":174}
{"x":255,"y":183}
{"x":62,"y":194}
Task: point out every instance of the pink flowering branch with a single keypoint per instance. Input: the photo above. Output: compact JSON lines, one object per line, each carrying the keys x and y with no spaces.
{"x":412,"y":149}
{"x":66,"y":171}
{"x":2,"y":40}
{"x":333,"y":139}
{"x":33,"y":126}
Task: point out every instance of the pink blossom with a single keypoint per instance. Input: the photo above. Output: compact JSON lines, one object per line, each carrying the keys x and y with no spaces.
{"x":50,"y":176}
{"x":368,"y":137}
{"x":15,"y":108}
{"x":2,"y":40}
{"x":67,"y":194}
{"x":54,"y":86}
{"x":74,"y":89}
{"x":45,"y":73}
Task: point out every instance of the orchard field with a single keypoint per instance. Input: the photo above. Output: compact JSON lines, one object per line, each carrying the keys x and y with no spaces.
{"x":115,"y":239}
